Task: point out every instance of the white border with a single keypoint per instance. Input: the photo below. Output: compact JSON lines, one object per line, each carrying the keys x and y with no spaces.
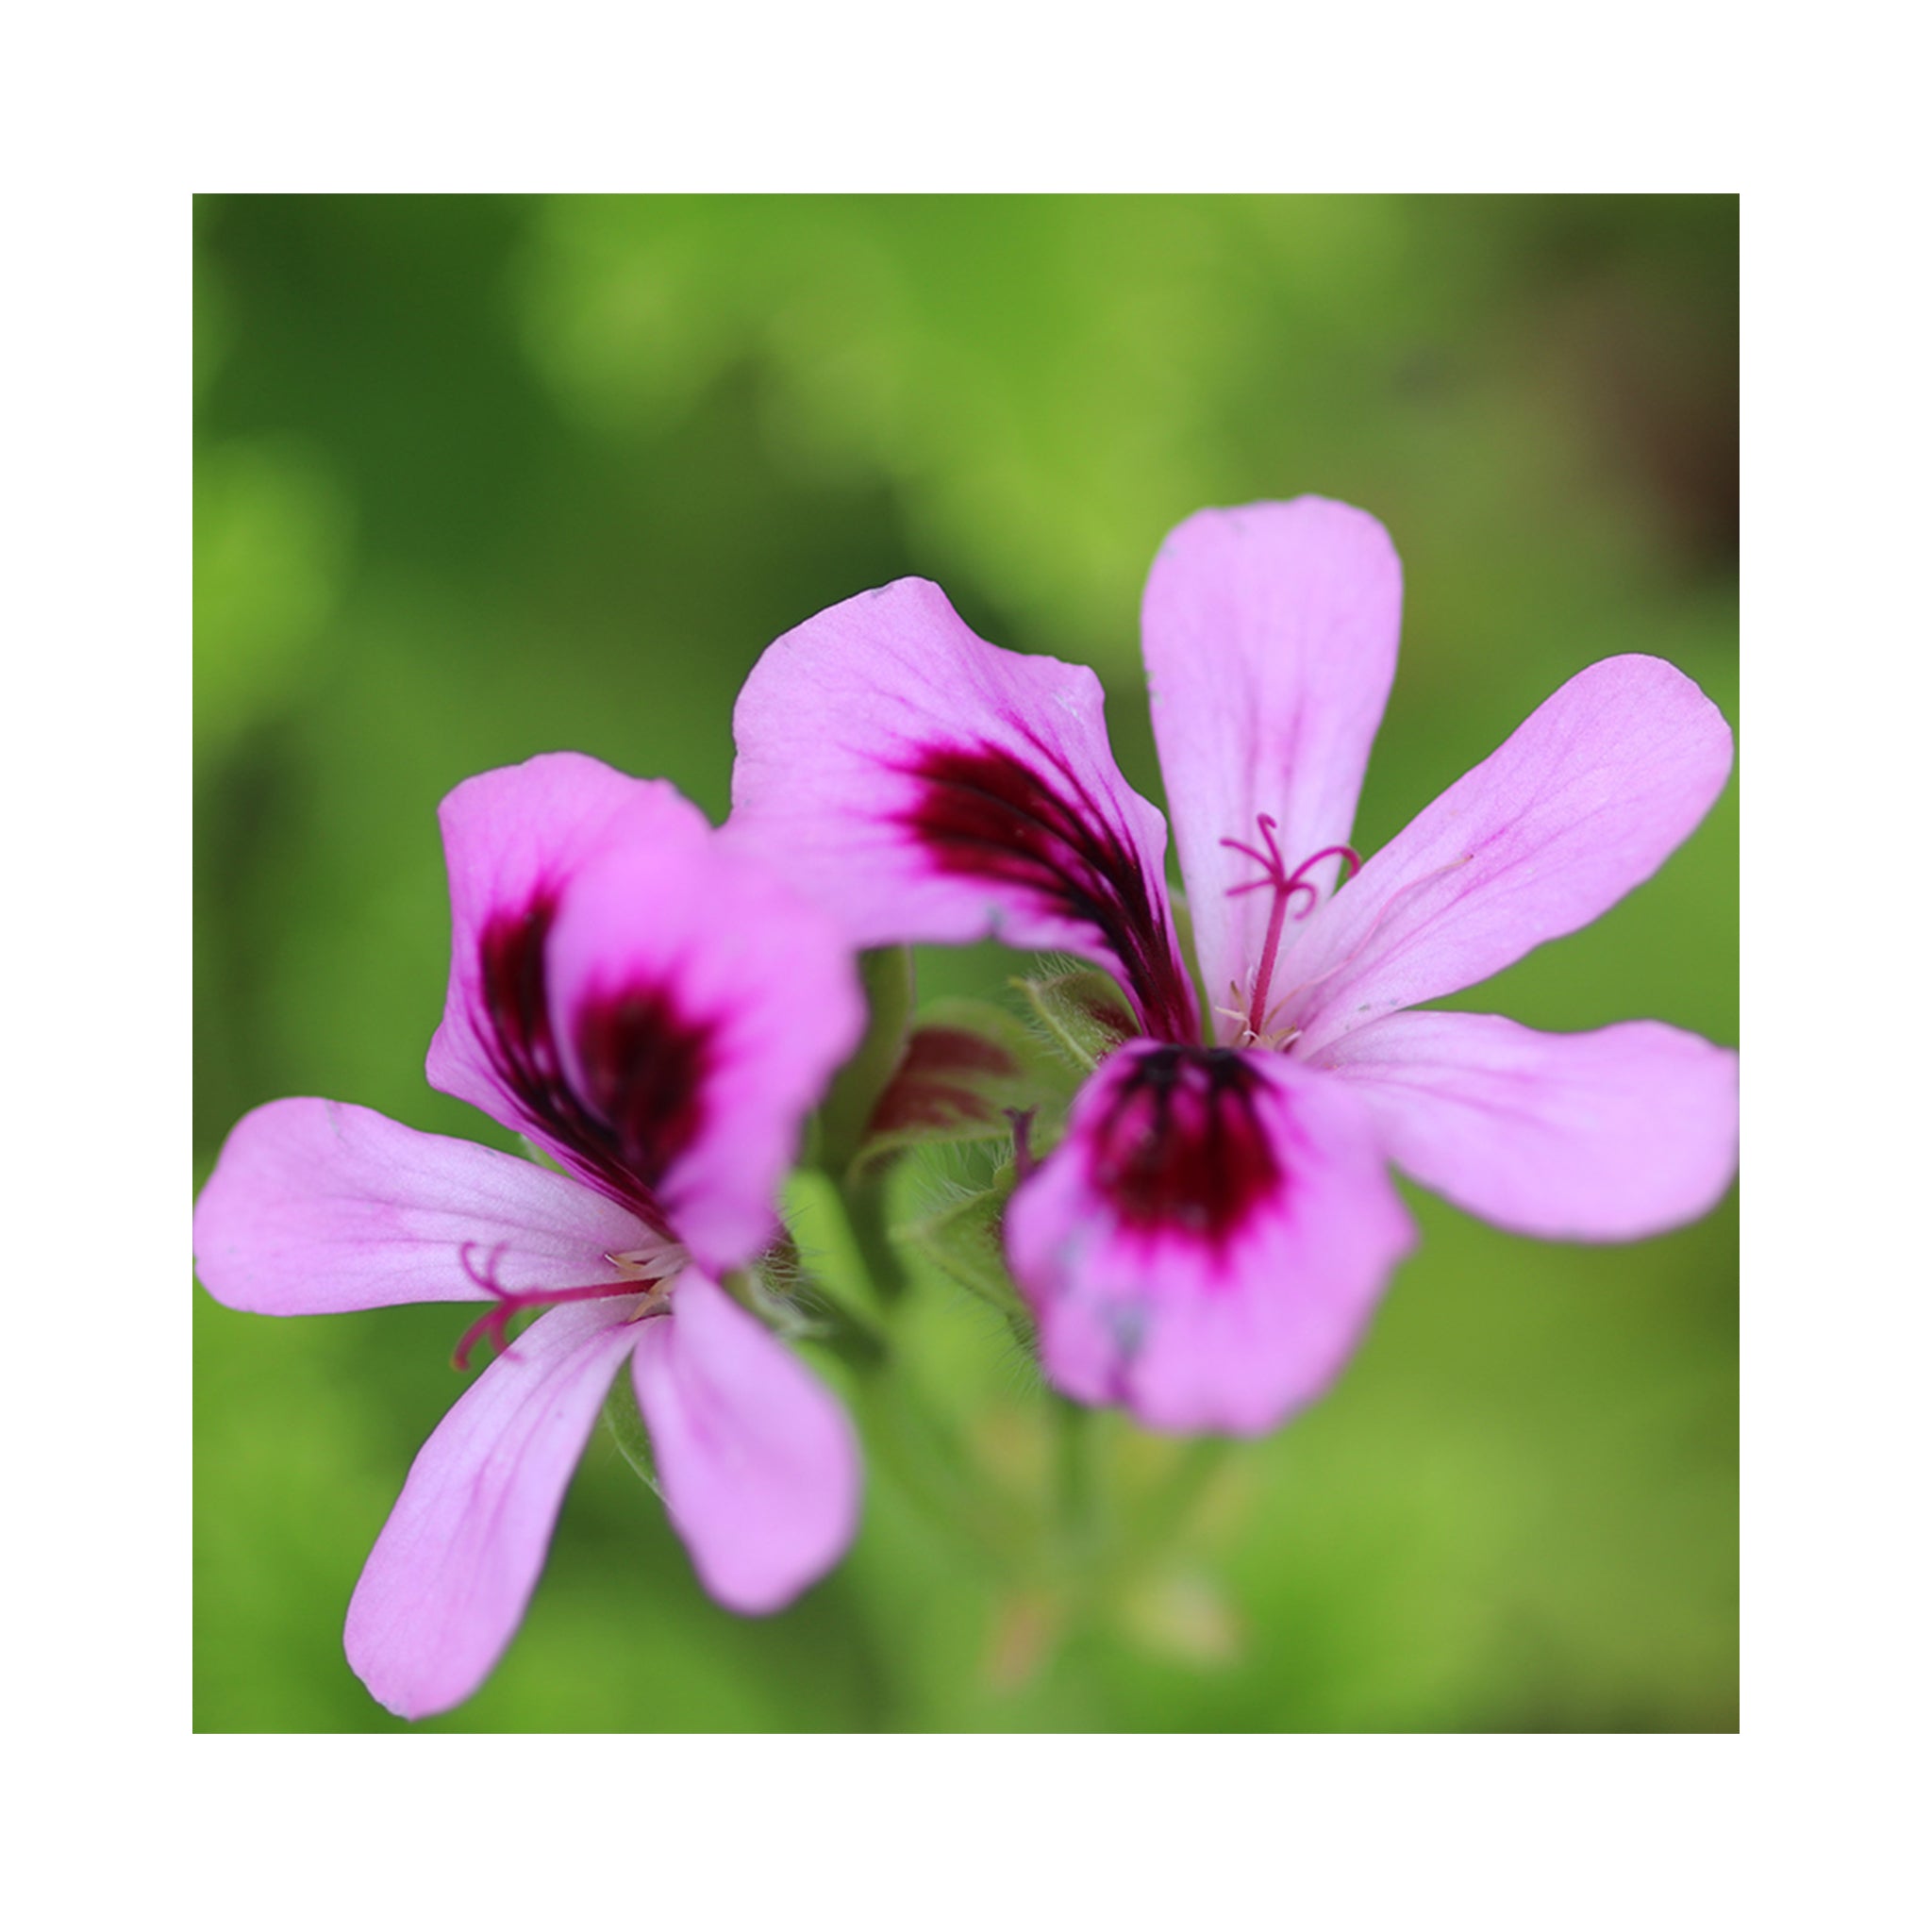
{"x":126,"y":114}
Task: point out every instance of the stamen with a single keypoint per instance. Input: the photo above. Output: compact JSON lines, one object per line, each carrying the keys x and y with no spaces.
{"x":657,"y":1263}
{"x":511,"y":1302}
{"x":1285,"y":885}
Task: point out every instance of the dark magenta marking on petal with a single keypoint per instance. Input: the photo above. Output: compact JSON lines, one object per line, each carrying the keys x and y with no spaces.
{"x":982,"y":812}
{"x":1182,"y":1146}
{"x":644,"y":1065}
{"x":515,"y":1023}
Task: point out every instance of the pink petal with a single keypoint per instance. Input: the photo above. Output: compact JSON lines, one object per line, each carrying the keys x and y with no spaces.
{"x":928,"y":787}
{"x":757,"y":1461}
{"x":448,"y":1580}
{"x":1270,"y":636}
{"x":316,"y":1208}
{"x":1586,"y":799}
{"x":514,"y":838}
{"x":1604,"y":1136}
{"x":1209,"y":1239}
{"x":702,"y":1008}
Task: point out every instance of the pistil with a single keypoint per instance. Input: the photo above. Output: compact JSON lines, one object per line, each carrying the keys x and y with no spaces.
{"x":1285,"y":885}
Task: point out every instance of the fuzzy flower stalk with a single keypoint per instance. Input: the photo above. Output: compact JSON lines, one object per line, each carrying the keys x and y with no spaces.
{"x":1207,"y":1241}
{"x":656,"y":1013}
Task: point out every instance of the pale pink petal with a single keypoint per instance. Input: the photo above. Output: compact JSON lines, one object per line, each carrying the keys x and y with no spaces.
{"x":928,"y":787}
{"x":1605,"y":1136}
{"x":316,"y":1206}
{"x":514,"y":838}
{"x":1270,"y":635}
{"x":1588,"y":797}
{"x":448,"y":1580}
{"x":701,"y":1007}
{"x":1208,"y":1241}
{"x":758,"y":1462}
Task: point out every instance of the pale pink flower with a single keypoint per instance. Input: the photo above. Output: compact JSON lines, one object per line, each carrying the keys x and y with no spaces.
{"x":1209,"y":1238}
{"x":657,"y":1013}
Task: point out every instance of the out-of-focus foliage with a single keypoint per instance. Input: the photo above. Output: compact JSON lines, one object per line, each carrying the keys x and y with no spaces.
{"x":478,"y":478}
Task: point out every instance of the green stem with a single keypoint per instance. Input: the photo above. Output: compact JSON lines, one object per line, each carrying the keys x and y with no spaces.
{"x":866,"y":1219}
{"x":1174,"y":1502}
{"x":928,"y":1465}
{"x":887,"y":976}
{"x":1079,"y":1513}
{"x":914,"y":1439}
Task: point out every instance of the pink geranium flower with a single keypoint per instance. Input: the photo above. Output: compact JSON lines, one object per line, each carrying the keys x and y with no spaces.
{"x":1206,"y":1243}
{"x":657,"y":1013}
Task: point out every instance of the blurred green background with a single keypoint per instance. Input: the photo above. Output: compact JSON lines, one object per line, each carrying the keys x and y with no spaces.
{"x":478,"y":478}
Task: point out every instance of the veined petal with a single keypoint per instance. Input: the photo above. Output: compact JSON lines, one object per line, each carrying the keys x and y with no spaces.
{"x":513,"y":839}
{"x":701,"y":1007}
{"x":1270,"y":634}
{"x":448,"y":1580}
{"x":316,"y":1208}
{"x":757,"y":1461}
{"x":1585,"y":800}
{"x":1208,"y":1242}
{"x":1606,"y":1136}
{"x":929,"y":787}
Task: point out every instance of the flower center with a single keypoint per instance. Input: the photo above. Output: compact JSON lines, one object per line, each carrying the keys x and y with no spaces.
{"x":1285,"y":885}
{"x":645,"y":1272}
{"x":1181,"y":1148}
{"x":643,"y":1063}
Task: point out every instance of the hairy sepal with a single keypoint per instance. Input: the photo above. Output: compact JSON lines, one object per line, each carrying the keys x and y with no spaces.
{"x":964,"y":1239}
{"x":1082,"y":1013}
{"x":626,"y":1430}
{"x":967,"y":1067}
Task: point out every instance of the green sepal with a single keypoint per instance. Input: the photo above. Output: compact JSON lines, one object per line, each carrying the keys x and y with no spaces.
{"x":967,"y":1067}
{"x":765,"y":1291}
{"x":627,"y":1430}
{"x":839,"y":1128}
{"x":780,"y":1293}
{"x":1082,"y":1012}
{"x":963,"y":1240}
